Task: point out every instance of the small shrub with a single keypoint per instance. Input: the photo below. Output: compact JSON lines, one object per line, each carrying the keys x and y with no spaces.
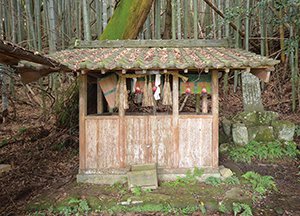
{"x":222,"y":208}
{"x":242,"y":208}
{"x":214,"y":181}
{"x":263,"y":151}
{"x":260,"y":184}
{"x":137,"y":191}
{"x":75,"y":207}
{"x":232,"y":180}
{"x":190,"y":178}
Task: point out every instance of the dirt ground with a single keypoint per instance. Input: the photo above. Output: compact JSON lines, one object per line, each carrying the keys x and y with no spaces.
{"x":45,"y":160}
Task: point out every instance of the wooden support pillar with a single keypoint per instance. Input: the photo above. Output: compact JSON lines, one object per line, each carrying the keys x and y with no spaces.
{"x":82,"y":115}
{"x":175,"y":117}
{"x":215,"y":121}
{"x":99,"y":99}
{"x":122,"y":144}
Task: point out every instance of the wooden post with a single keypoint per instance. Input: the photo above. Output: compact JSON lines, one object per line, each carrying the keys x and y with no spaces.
{"x":122,"y":143}
{"x":82,"y":114}
{"x":198,"y":103}
{"x":99,"y":99}
{"x":215,"y":122}
{"x":175,"y":117}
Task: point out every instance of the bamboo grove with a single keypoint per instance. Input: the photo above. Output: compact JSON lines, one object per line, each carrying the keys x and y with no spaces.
{"x":268,"y":27}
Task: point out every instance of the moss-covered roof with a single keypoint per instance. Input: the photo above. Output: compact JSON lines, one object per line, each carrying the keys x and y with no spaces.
{"x":117,"y":57}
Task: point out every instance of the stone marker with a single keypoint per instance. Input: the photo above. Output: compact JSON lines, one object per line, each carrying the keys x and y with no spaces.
{"x":144,"y":176}
{"x":4,"y":168}
{"x":240,"y":134}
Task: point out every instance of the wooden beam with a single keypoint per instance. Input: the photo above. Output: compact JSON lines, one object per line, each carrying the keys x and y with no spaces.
{"x":215,"y":121}
{"x":82,"y":115}
{"x":153,"y":43}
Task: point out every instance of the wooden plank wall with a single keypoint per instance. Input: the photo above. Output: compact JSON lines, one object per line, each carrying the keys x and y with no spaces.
{"x":148,"y":139}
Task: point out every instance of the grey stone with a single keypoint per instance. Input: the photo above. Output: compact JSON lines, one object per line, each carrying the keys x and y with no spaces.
{"x":144,"y":176}
{"x":247,"y":118}
{"x":236,"y":194}
{"x":284,"y":130}
{"x":4,"y":168}
{"x":226,"y":124}
{"x":266,"y":117}
{"x":225,"y":172}
{"x":240,"y":134}
{"x":261,"y":133}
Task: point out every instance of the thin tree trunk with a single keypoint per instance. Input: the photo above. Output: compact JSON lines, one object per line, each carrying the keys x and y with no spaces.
{"x":37,"y":9}
{"x":86,"y":21}
{"x":52,"y":26}
{"x":30,"y":29}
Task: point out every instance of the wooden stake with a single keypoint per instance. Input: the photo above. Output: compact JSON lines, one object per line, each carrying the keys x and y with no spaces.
{"x":215,"y":121}
{"x":82,"y":115}
{"x":99,"y":99}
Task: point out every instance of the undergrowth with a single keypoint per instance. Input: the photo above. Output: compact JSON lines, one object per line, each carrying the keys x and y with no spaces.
{"x":190,"y":178}
{"x":263,"y":151}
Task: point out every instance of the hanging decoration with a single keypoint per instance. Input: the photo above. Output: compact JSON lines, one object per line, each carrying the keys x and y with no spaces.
{"x":196,"y":83}
{"x":167,"y":94}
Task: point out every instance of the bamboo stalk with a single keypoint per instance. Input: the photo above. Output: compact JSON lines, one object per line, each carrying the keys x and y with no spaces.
{"x":247,"y":26}
{"x":178,"y":19}
{"x":195,"y":5}
{"x":86,"y":21}
{"x":157,"y":19}
{"x":173,"y":19}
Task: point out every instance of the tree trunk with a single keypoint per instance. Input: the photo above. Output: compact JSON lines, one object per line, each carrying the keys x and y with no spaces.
{"x":127,"y":19}
{"x":251,"y":93}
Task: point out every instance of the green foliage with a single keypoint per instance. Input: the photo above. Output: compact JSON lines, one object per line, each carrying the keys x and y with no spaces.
{"x":190,"y":178}
{"x":297,"y":131}
{"x":75,"y":207}
{"x":137,"y":191}
{"x":223,"y":208}
{"x":260,"y":184}
{"x":242,"y":208}
{"x":3,"y":142}
{"x":232,"y":180}
{"x":214,"y":181}
{"x":22,"y":130}
{"x":263,"y":151}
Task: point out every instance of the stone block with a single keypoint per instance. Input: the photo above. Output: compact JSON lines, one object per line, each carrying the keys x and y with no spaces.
{"x":226,"y":124}
{"x":144,"y":176}
{"x":266,"y":117}
{"x":240,"y":134}
{"x":4,"y":168}
{"x":261,"y":133}
{"x":225,"y":172}
{"x":284,"y":130}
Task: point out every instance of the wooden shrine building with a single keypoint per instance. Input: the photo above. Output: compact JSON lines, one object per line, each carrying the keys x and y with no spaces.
{"x":152,"y":102}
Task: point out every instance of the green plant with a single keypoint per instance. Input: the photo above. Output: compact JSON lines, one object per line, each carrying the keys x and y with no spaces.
{"x":202,"y":208}
{"x":260,"y":184}
{"x":75,"y":207}
{"x":242,"y":208}
{"x":214,"y":181}
{"x":189,"y":178}
{"x":137,"y":191}
{"x":223,"y":208}
{"x":232,"y":180}
{"x":297,"y":130}
{"x":22,"y":130}
{"x":263,"y":151}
